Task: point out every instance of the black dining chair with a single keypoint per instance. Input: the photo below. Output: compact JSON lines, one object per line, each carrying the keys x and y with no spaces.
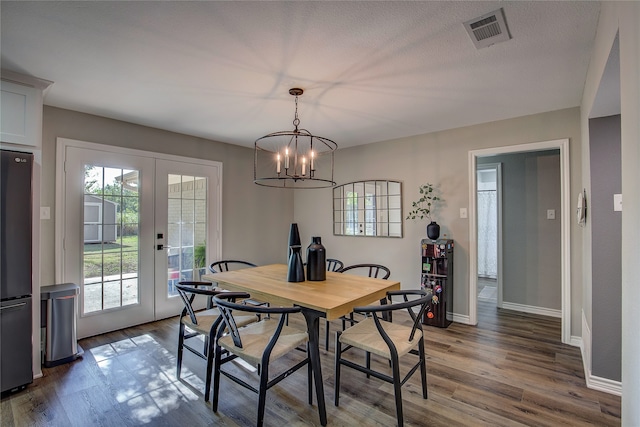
{"x":257,"y":344}
{"x":376,"y":271}
{"x":389,"y":340}
{"x":230,"y":265}
{"x":334,"y":264}
{"x":204,"y":323}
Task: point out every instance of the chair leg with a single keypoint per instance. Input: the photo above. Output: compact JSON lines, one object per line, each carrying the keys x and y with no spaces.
{"x":216,"y":378}
{"x":262,"y":394}
{"x":206,"y":347}
{"x":210,"y":357}
{"x":326,"y":335}
{"x":367,"y":360}
{"x":180,"y":348}
{"x":338,"y":350}
{"x":423,"y":368}
{"x":397,"y":389}
{"x":309,"y":376}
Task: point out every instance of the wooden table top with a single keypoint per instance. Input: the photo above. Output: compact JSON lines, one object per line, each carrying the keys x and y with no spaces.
{"x":335,"y":296}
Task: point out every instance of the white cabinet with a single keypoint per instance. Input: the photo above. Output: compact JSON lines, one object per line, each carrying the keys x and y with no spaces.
{"x":21,"y":114}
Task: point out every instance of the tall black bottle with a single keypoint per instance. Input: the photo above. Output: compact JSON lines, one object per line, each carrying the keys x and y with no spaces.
{"x":316,"y":260}
{"x":294,"y":238}
{"x":295,"y":270}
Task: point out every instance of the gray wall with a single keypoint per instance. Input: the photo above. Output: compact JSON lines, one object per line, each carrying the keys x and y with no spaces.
{"x":606,"y":233}
{"x":618,"y":19}
{"x":255,"y":220}
{"x":531,"y":269}
{"x":441,"y":158}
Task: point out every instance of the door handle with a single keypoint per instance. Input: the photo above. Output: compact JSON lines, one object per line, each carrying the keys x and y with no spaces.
{"x":7,"y":307}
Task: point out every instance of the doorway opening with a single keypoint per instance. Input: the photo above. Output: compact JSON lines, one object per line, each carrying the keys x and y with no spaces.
{"x":564,"y":216}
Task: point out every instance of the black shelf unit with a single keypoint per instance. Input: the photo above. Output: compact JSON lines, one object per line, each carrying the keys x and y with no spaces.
{"x":437,"y":278}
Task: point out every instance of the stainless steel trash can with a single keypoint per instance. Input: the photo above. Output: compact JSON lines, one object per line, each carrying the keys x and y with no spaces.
{"x":58,"y":316}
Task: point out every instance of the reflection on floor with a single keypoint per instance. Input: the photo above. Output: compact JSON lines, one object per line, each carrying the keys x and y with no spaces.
{"x":487,"y":289}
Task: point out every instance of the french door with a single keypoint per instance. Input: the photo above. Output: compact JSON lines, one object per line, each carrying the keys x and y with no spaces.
{"x":184,"y":229}
{"x":133,"y":225}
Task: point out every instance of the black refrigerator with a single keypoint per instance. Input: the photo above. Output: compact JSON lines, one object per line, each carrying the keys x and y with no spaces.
{"x":15,"y":270}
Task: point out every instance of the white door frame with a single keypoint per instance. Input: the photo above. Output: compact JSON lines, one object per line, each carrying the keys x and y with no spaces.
{"x":61,"y":146}
{"x":565,"y":225}
{"x":498,"y":168}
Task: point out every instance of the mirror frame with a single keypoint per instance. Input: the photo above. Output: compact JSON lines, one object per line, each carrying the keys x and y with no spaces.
{"x":384,"y":219}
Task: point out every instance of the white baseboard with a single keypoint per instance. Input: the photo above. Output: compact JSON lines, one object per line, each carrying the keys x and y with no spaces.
{"x":593,"y":382}
{"x":575,"y":341}
{"x":460,"y":318}
{"x":542,"y":311}
{"x":605,"y":385}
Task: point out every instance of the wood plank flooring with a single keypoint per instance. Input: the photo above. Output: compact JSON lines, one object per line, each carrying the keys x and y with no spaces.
{"x":511,"y":370}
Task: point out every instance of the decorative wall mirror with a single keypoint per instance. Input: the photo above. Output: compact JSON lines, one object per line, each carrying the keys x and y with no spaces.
{"x":368,"y":208}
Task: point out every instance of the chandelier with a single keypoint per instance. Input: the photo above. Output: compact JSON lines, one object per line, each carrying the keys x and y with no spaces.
{"x":294,"y":159}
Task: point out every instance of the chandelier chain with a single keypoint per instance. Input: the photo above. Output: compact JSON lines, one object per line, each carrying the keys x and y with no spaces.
{"x":296,"y":120}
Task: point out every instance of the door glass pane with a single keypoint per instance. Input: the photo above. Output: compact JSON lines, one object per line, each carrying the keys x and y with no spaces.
{"x":186,"y":229}
{"x":111,"y":225}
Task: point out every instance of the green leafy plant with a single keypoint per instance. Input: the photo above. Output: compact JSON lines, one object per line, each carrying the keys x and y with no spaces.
{"x":200,"y":256}
{"x":424,"y":206}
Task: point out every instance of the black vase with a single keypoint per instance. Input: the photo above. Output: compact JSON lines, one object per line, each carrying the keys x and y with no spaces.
{"x":433,"y":230}
{"x":295,"y":272}
{"x":294,"y":238}
{"x":316,"y":260}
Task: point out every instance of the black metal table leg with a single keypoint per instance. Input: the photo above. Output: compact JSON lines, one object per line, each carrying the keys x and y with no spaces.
{"x":313,"y":329}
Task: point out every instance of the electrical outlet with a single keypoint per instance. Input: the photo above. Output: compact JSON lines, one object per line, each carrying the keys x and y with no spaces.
{"x":463,"y":212}
{"x":551,"y":214}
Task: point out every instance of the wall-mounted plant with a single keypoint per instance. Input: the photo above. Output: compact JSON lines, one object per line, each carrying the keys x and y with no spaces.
{"x":424,"y":208}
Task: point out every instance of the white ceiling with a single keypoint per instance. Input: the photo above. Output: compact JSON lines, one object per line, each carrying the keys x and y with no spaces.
{"x":371,"y":71}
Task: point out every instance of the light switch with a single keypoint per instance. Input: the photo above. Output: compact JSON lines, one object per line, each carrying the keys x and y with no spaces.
{"x":463,"y":212}
{"x":617,"y":202}
{"x":45,"y":212}
{"x":551,"y":214}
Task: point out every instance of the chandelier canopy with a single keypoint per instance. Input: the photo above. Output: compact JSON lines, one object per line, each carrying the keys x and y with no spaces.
{"x":295,"y":158}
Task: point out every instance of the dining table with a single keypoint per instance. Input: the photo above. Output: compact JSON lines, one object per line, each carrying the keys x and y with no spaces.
{"x":331,"y":298}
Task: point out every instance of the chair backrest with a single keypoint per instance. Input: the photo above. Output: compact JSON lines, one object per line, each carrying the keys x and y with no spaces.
{"x":378,"y":311}
{"x":226,"y":304}
{"x":334,"y":264}
{"x":188,"y":292}
{"x":230,"y":264}
{"x":374,"y":270}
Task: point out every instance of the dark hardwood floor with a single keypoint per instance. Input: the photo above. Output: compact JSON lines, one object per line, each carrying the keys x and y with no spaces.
{"x":510,"y":370}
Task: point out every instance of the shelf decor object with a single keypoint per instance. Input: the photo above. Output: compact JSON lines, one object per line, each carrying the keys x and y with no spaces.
{"x":424,"y":207}
{"x":295,"y":158}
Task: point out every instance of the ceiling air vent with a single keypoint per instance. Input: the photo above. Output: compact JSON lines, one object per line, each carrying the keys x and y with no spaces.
{"x":488,"y":29}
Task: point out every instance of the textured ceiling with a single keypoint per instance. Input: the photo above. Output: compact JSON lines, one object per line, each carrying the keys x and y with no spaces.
{"x":371,"y":71}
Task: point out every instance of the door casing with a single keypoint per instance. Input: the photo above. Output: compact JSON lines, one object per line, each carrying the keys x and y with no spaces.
{"x":565,"y":226}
